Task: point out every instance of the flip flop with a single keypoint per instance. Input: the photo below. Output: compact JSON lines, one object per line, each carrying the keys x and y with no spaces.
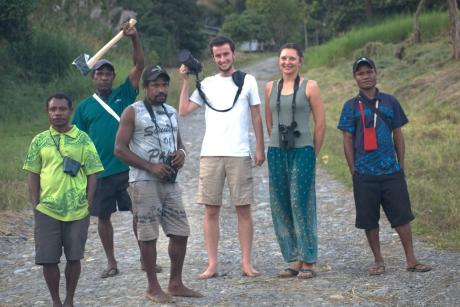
{"x":109,"y":272}
{"x":377,"y":269}
{"x":306,"y":274}
{"x":288,"y":272}
{"x":244,"y":274}
{"x":419,"y":267}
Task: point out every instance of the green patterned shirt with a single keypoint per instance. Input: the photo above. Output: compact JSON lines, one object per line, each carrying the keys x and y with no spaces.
{"x":62,"y":196}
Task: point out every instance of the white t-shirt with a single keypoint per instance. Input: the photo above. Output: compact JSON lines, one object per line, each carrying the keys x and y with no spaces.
{"x":227,"y":133}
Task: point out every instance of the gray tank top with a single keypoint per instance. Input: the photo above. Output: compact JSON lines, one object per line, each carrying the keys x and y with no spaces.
{"x":302,"y":115}
{"x":149,"y":143}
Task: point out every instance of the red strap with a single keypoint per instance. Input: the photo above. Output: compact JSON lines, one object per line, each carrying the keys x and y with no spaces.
{"x":361,"y":109}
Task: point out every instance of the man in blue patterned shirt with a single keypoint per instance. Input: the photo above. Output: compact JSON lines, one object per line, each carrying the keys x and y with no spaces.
{"x":374,"y":149}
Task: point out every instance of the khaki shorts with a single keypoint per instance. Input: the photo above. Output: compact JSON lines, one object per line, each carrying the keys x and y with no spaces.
{"x":214,"y":170}
{"x":156,"y":203}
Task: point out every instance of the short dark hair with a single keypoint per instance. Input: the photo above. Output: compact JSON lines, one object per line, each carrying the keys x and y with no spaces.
{"x":294,"y":46}
{"x":59,"y":96}
{"x":220,"y":41}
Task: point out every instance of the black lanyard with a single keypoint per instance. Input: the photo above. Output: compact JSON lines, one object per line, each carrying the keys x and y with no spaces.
{"x":278,"y":102}
{"x":148,"y":106}
{"x":57,"y":146}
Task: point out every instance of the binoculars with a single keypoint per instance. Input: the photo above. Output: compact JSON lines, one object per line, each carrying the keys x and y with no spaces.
{"x":287,"y":135}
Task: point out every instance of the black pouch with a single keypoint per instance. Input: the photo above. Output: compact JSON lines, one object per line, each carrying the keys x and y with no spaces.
{"x":71,"y":166}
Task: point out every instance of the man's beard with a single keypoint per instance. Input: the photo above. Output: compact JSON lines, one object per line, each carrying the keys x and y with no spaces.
{"x":159,"y":99}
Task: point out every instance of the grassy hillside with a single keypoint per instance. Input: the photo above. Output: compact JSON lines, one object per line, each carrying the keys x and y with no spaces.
{"x":427,"y":83}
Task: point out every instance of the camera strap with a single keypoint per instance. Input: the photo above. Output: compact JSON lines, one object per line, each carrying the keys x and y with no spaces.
{"x":278,"y":98}
{"x":238,"y":79}
{"x":148,"y":106}
{"x":376,"y":111}
{"x":56,"y":144}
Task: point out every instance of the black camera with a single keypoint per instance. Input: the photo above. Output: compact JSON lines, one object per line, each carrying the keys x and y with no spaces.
{"x":287,"y":135}
{"x":71,"y":166}
{"x":185,"y":57}
{"x":172,"y":177}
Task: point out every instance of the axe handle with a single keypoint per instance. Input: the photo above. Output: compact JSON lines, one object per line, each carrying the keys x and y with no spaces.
{"x":109,"y":45}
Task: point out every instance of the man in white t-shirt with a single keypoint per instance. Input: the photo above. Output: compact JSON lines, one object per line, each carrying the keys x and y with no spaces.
{"x":225,"y":153}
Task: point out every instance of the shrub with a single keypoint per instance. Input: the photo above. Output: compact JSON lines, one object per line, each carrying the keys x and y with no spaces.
{"x":45,"y":56}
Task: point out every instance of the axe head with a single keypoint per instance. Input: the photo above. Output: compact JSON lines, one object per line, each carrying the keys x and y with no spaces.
{"x":81,"y":62}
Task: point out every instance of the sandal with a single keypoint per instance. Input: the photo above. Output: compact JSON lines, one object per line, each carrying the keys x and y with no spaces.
{"x":109,"y":272}
{"x":288,"y":272}
{"x":419,"y":267}
{"x":306,"y":274}
{"x":377,"y":269}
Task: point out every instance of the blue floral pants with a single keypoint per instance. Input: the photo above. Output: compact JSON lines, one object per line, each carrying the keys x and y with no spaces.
{"x":293,"y":201}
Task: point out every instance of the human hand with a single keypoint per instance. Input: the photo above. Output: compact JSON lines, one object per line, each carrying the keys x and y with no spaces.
{"x":161,"y":170}
{"x":178,"y":160}
{"x":260,"y":157}
{"x":129,"y":30}
{"x":183,"y":72}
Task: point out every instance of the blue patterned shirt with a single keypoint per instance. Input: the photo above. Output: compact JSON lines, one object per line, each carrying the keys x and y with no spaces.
{"x":382,"y":160}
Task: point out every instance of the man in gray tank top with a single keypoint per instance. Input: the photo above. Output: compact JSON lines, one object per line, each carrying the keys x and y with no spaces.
{"x":148,"y":140}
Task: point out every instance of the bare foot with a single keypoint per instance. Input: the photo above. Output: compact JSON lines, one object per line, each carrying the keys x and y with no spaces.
{"x":209,"y":273}
{"x":183,"y":291}
{"x":160,"y":298}
{"x":250,"y":272}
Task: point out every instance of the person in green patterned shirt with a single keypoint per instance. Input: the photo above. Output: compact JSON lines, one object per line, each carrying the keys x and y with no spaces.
{"x":62,"y":163}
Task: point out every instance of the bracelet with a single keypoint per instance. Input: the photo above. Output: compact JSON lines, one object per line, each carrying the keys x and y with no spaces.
{"x":183,"y":150}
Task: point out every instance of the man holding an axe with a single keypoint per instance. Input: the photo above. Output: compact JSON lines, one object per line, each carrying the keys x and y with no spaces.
{"x":98,"y":115}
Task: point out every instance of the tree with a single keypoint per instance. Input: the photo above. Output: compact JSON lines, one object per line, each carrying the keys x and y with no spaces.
{"x":14,"y":18}
{"x":454,"y":28}
{"x":170,"y":25}
{"x":283,"y":19}
{"x":417,"y":32}
{"x":248,"y":25}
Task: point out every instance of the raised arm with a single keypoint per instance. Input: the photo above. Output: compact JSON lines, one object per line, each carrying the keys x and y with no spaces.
{"x":138,"y":55}
{"x":186,"y":106}
{"x":268,"y":112}
{"x":319,"y":115}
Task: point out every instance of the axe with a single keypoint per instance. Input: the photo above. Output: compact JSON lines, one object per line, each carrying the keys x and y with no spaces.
{"x":85,"y":64}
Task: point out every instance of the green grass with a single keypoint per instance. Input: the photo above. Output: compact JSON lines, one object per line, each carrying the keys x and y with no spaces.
{"x":392,"y":30}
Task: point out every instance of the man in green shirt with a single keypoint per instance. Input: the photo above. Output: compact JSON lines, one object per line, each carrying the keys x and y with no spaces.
{"x":62,"y":163}
{"x":98,"y":115}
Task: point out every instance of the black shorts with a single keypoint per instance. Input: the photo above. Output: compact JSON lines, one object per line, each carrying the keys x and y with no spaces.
{"x":390,"y":191}
{"x":111,"y":193}
{"x":52,"y":235}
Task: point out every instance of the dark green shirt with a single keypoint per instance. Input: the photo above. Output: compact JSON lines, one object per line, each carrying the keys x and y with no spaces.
{"x":102,"y":127}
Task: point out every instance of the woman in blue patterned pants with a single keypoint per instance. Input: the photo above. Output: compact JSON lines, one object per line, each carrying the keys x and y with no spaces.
{"x":291,"y":157}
